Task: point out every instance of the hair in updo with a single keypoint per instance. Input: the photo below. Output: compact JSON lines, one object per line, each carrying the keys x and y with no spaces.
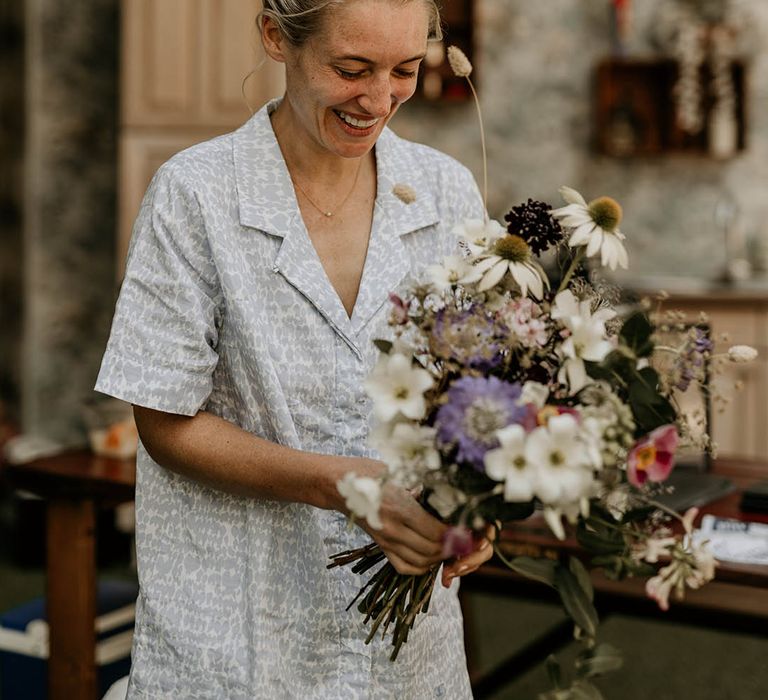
{"x":300,"y":19}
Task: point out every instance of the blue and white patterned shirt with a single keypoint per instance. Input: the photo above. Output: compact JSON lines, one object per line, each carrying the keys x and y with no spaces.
{"x":226,"y":308}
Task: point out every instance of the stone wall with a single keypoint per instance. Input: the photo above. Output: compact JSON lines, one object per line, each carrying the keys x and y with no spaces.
{"x":11,"y":153}
{"x":69,"y":227}
{"x":535,"y":65}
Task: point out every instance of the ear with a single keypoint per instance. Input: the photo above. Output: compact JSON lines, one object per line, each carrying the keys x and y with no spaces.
{"x":272,"y":39}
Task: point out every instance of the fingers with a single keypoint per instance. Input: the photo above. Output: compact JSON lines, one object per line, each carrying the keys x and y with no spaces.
{"x":466,"y":565}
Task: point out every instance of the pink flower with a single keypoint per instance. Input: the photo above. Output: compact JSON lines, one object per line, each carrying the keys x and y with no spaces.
{"x":399,"y":311}
{"x":457,"y":542}
{"x":652,"y":457}
{"x":658,"y":588}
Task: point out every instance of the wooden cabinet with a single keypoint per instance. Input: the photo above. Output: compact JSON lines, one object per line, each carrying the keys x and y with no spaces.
{"x":739,"y":427}
{"x":190,"y":69}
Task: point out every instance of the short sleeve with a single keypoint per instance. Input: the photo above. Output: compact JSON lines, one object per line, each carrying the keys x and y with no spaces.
{"x":161,"y":351}
{"x":469,"y":202}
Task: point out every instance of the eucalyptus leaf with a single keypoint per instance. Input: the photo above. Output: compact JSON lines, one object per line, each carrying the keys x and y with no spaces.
{"x":577,"y":604}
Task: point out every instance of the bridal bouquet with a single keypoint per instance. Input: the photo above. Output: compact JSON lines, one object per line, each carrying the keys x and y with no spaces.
{"x":505,"y":389}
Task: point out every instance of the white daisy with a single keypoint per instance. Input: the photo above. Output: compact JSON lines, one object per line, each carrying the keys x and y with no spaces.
{"x":562,"y":462}
{"x":594,"y":224}
{"x":511,"y":254}
{"x":479,"y":235}
{"x":510,"y":465}
{"x":454,"y":270}
{"x":587,"y":340}
{"x":396,"y":386}
{"x":362,"y":495}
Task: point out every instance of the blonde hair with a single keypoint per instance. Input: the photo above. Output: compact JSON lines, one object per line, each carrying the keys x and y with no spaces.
{"x":298,"y":20}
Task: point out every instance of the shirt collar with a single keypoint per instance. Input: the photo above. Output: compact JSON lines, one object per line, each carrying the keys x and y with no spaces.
{"x":267,"y":199}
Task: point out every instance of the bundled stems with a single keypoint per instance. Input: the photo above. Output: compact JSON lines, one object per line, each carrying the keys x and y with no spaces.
{"x":390,"y":598}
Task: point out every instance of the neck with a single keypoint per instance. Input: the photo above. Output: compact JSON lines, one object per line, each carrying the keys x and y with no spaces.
{"x":304,"y":157}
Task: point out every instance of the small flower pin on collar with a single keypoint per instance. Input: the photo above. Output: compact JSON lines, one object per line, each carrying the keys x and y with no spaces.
{"x":405,"y":193}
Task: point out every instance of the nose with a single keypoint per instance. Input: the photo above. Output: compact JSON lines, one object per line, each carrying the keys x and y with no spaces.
{"x":378,"y":98}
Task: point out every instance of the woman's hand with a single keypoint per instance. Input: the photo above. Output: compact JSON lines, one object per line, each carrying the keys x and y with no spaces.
{"x":411,"y":538}
{"x":462,"y":566}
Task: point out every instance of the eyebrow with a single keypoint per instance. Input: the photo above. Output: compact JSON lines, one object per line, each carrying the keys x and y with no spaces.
{"x":362,"y":59}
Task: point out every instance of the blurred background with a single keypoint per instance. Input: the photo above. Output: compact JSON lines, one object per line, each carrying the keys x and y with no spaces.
{"x":662,"y":104}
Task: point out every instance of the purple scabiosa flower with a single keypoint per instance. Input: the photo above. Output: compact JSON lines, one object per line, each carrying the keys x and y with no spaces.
{"x":476,"y":408}
{"x":470,"y":337}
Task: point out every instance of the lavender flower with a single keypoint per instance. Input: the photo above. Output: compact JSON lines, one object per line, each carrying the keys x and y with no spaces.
{"x":689,"y":364}
{"x":477,"y":407}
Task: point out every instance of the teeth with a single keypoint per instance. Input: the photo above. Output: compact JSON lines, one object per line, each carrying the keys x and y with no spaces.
{"x":359,"y":123}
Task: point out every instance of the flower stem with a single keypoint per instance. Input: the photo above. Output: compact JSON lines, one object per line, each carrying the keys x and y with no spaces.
{"x":575,"y":262}
{"x":482,"y":144}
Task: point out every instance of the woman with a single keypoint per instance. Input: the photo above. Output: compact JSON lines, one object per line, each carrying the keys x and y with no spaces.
{"x":257,"y":280}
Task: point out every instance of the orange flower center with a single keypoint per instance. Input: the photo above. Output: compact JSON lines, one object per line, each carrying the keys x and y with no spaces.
{"x":646,"y":457}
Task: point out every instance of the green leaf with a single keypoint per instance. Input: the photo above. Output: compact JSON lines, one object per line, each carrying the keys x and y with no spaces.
{"x":582,"y":576}
{"x":554,"y":671}
{"x":603,"y":659}
{"x":542,"y":570}
{"x":649,"y":407}
{"x":637,"y":514}
{"x":636,"y":334}
{"x":496,"y":508}
{"x":384,"y":346}
{"x":597,"y":538}
{"x":576,"y":602}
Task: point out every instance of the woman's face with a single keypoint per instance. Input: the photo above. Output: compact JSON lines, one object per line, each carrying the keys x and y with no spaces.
{"x":345,"y":83}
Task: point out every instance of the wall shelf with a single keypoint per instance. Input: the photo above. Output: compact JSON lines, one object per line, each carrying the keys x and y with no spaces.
{"x":635,"y":112}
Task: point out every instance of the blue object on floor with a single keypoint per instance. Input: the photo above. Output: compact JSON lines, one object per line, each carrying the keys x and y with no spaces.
{"x":24,"y":642}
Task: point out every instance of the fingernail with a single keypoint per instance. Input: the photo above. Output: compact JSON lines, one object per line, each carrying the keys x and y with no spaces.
{"x":483,"y":545}
{"x":447,"y":581}
{"x":463,"y":569}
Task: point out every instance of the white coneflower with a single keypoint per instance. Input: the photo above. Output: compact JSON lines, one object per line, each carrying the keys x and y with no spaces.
{"x":594,"y":225}
{"x":511,"y":253}
{"x":742,"y":353}
{"x":462,"y":67}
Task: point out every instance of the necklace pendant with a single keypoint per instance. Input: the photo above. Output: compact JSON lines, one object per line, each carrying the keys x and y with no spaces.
{"x":328,"y":213}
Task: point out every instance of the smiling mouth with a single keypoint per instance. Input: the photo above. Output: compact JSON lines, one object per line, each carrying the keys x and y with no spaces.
{"x":354,"y":122}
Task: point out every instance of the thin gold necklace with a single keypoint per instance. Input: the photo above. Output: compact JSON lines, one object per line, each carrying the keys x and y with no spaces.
{"x":338,"y":207}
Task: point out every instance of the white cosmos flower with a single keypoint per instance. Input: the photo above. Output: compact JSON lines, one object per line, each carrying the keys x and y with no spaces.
{"x":479,"y":235}
{"x":511,"y":253}
{"x":564,"y":476}
{"x":454,"y":270}
{"x":594,"y":224}
{"x":509,"y":464}
{"x":362,"y":495}
{"x":397,"y":387}
{"x":409,"y":451}
{"x":587,"y":340}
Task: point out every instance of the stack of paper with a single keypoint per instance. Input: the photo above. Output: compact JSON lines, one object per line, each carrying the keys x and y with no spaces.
{"x":735,"y":540}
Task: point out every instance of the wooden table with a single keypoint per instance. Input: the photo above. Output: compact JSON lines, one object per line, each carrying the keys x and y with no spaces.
{"x":737,"y":599}
{"x":74,"y":485}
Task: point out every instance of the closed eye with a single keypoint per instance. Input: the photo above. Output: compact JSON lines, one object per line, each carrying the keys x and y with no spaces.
{"x":348,"y":74}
